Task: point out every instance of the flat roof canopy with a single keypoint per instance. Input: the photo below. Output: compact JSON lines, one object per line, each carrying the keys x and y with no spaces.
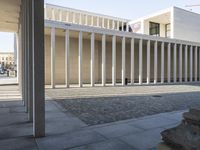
{"x":9,"y":15}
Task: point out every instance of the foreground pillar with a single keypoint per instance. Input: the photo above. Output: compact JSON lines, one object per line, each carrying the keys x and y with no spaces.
{"x":38,"y":69}
{"x":103,"y":60}
{"x":140,"y":61}
{"x":80,"y":49}
{"x":92,"y":62}
{"x":123,"y":60}
{"x":53,"y":57}
{"x":114,"y":60}
{"x":67,"y":66}
{"x":132,"y":61}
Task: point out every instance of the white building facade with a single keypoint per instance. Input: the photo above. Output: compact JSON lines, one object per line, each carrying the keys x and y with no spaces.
{"x":84,"y":48}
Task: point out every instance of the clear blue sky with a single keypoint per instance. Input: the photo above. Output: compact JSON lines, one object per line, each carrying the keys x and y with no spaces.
{"x":129,"y":9}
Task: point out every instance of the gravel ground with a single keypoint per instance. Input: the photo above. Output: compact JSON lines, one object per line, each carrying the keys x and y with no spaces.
{"x":110,"y":109}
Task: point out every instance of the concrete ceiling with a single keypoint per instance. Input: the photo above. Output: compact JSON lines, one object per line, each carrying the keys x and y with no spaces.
{"x":9,"y":15}
{"x":163,"y":18}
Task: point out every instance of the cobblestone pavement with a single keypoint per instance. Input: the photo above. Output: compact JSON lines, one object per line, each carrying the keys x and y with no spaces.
{"x":103,"y":105}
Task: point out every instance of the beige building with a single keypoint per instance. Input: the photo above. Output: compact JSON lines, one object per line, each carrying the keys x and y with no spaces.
{"x":87,"y":48}
{"x":6,"y":58}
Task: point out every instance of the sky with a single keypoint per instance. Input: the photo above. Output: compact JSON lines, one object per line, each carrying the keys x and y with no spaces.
{"x":128,"y":9}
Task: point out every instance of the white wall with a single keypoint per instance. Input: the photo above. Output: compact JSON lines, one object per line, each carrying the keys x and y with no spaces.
{"x":186,"y":25}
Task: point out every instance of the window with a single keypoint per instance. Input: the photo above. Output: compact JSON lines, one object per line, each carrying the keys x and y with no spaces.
{"x":154,"y":29}
{"x":168,"y":30}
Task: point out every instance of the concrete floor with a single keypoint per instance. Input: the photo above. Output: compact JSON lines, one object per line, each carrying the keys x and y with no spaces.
{"x":65,"y":131}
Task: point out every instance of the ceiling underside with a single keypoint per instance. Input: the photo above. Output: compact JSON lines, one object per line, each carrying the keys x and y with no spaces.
{"x":9,"y":15}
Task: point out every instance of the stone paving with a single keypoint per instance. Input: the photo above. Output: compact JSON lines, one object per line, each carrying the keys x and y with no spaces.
{"x":66,"y":131}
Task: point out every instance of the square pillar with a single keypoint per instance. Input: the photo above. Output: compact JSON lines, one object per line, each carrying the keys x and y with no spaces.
{"x":140,"y":61}
{"x":155,"y":61}
{"x":196,"y":56}
{"x":92,"y":62}
{"x":180,"y":63}
{"x":67,"y":61}
{"x":80,"y":50}
{"x":38,"y":69}
{"x":186,"y":63}
{"x":175,"y":78}
{"x":169,"y":63}
{"x":162,"y":61}
{"x":123,"y":60}
{"x":103,"y":60}
{"x":53,"y":57}
{"x":114,"y":60}
{"x":132,"y":61}
{"x":148,"y":61}
{"x":191,"y":63}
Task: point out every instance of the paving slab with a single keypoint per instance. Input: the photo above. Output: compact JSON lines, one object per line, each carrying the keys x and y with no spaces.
{"x":114,"y":144}
{"x":69,"y":140}
{"x":146,"y":140}
{"x":117,"y":130}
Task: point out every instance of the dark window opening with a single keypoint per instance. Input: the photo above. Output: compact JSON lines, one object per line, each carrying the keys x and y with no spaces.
{"x":154,"y":29}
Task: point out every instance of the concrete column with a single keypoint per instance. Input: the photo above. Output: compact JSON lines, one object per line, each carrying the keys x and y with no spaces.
{"x":162,"y":61}
{"x":74,"y":17}
{"x":148,"y":62}
{"x":92,"y":62}
{"x":86,"y":20}
{"x":113,"y":24}
{"x":175,"y":46}
{"x":103,"y":23}
{"x":117,"y":25}
{"x":53,"y":14}
{"x":98,"y":23}
{"x":186,"y":63}
{"x":169,"y":63}
{"x":199,"y":62}
{"x":45,"y":12}
{"x":132,"y":61}
{"x":80,"y":50}
{"x":122,"y":26}
{"x":127,"y":27}
{"x":67,"y":16}
{"x":53,"y":57}
{"x":196,"y":56}
{"x":38,"y":69}
{"x":180,"y":63}
{"x":108,"y":24}
{"x":123,"y":60}
{"x":67,"y":61}
{"x":103,"y":60}
{"x":155,"y":61}
{"x":60,"y":15}
{"x":140,"y":61}
{"x":92,"y":20}
{"x":113,"y":60}
{"x":191,"y":63}
{"x":80,"y":18}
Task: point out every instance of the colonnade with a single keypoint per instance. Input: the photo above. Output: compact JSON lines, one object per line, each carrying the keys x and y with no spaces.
{"x":68,"y":15}
{"x":170,"y":52}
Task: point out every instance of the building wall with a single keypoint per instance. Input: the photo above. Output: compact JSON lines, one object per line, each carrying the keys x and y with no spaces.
{"x":60,"y":61}
{"x":6,"y":59}
{"x":186,"y":25}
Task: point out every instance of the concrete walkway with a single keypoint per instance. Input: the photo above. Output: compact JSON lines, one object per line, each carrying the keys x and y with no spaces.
{"x":65,"y":131}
